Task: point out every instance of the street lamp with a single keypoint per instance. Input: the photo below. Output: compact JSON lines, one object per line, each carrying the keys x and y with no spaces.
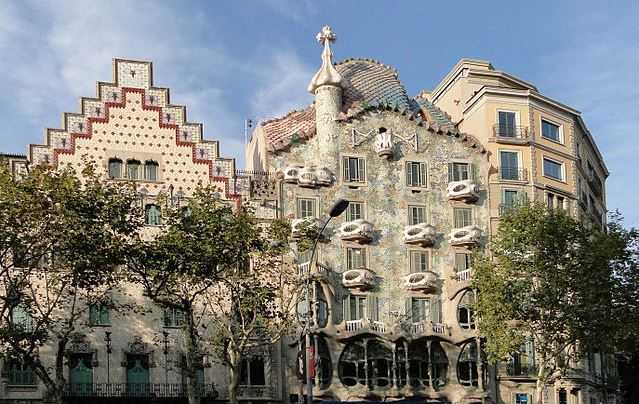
{"x":337,"y":209}
{"x":107,"y":341}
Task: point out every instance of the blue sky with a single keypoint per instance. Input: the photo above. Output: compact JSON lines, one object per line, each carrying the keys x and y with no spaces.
{"x":230,"y":60}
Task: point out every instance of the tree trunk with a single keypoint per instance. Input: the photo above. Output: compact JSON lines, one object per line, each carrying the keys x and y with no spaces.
{"x":192,"y":356}
{"x":53,"y":395}
{"x":539,"y":384}
{"x":234,"y":375}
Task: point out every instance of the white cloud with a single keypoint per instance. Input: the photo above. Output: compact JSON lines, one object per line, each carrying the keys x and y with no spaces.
{"x":298,"y":11}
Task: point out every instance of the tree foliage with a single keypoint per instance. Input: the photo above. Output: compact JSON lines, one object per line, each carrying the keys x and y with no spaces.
{"x":558,"y":281}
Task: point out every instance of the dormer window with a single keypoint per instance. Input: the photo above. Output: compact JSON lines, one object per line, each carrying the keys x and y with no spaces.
{"x":133,"y":169}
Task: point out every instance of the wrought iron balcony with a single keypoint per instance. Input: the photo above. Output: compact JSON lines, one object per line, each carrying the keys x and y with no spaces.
{"x":515,"y":369}
{"x":136,"y":390}
{"x":513,"y":174}
{"x":246,"y":391}
{"x":510,"y":133}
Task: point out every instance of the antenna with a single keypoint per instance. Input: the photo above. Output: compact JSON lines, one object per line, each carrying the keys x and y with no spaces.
{"x":248,"y":124}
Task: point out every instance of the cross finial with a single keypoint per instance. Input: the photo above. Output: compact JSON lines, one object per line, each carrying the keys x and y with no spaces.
{"x":326,"y":34}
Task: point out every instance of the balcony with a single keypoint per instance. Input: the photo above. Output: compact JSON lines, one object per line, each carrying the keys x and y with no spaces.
{"x":136,"y":391}
{"x":513,"y":174}
{"x":256,"y":392}
{"x":359,"y":230}
{"x":516,"y":369}
{"x":291,"y":174}
{"x":424,"y":281}
{"x":428,"y":328}
{"x":354,"y":326}
{"x":465,"y":236}
{"x":301,"y":226}
{"x":505,"y":208}
{"x":307,"y":178}
{"x":464,"y":276}
{"x":420,"y":234}
{"x":510,"y":134}
{"x":360,"y":278}
{"x":465,"y":190}
{"x":319,"y":271}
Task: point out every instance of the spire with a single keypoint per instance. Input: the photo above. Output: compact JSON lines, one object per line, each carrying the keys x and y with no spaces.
{"x":327,"y":74}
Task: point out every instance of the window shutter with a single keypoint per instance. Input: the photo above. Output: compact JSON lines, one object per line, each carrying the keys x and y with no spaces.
{"x":422,"y":175}
{"x":473,"y":173}
{"x":93,"y":314}
{"x":409,"y":178}
{"x":435,"y":310}
{"x":451,"y":172}
{"x":408,"y":312}
{"x":346,"y":308}
{"x":372,"y":308}
{"x":361,"y":168}
{"x":345,"y":167}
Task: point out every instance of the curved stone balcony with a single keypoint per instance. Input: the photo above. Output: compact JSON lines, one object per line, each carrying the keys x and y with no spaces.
{"x":424,"y":281}
{"x":352,"y":327}
{"x":360,"y":278}
{"x":420,"y":234}
{"x":324,"y":176}
{"x":358,"y":230}
{"x":465,"y":236}
{"x":465,"y":190}
{"x":423,"y":328}
{"x":297,"y":225}
{"x":307,"y":177}
{"x":291,"y":174}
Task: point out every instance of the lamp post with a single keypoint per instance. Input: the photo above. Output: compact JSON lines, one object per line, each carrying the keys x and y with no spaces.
{"x":107,"y":341}
{"x":337,"y":209}
{"x":166,"y":356}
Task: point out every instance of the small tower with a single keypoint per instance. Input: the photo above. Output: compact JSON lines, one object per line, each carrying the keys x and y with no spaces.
{"x":326,"y":86}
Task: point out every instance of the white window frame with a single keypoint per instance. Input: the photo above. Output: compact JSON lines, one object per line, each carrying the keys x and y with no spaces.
{"x":298,"y":209}
{"x":562,"y":165}
{"x":559,"y":126}
{"x":410,"y":212}
{"x":472,"y":216}
{"x":358,"y":181}
{"x":423,"y":183}
{"x":364,"y":257}
{"x":469,"y":171}
{"x":411,"y":263}
{"x":353,"y":203}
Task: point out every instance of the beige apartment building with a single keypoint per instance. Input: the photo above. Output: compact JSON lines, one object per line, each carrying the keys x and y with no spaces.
{"x":426,"y":178}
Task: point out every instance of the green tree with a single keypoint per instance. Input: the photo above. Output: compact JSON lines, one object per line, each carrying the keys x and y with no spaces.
{"x":555,"y":280}
{"x":254,"y":305}
{"x":62,"y":241}
{"x":202,"y":242}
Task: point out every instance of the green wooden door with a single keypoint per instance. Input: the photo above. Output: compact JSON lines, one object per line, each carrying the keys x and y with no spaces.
{"x":137,"y":375}
{"x":81,"y":374}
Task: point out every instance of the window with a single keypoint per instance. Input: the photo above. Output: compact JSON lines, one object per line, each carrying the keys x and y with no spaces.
{"x":522,"y":398}
{"x":563,"y":396}
{"x":509,"y":200}
{"x":553,"y":169}
{"x":467,"y":365}
{"x":354,"y":211}
{"x":354,"y":307}
{"x":355,"y":258}
{"x":21,"y":319}
{"x":458,"y":171}
{"x":20,"y":374}
{"x":133,"y":169}
{"x":462,"y":261}
{"x":81,"y":374}
{"x":462,"y":217}
{"x":420,"y":309}
{"x":99,"y":314}
{"x":252,"y":371}
{"x":152,"y":215}
{"x":354,"y":169}
{"x":306,"y":208}
{"x":507,"y":124}
{"x":418,"y":261}
{"x":173,"y":317}
{"x":465,"y":310}
{"x":415,"y":174}
{"x":115,"y":168}
{"x":550,"y":131}
{"x":522,"y":362}
{"x":151,"y":171}
{"x":555,"y":201}
{"x":416,"y":215}
{"x":509,"y":166}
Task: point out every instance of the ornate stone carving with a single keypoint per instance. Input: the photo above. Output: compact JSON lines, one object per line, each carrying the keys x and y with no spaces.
{"x":422,"y":234}
{"x":325,"y":177}
{"x":421,"y":281}
{"x":358,"y":278}
{"x":307,"y":177}
{"x":465,"y":190}
{"x":356,"y":230}
{"x":469,"y":235}
{"x":384,"y":145}
{"x":327,"y":74}
{"x":291,"y":174}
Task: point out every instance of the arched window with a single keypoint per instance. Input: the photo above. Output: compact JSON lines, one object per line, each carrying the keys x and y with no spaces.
{"x":150,"y":170}
{"x":401,"y":360}
{"x":352,"y":365}
{"x":418,"y":363}
{"x":133,"y":169}
{"x":465,"y":311}
{"x":380,"y":364}
{"x":152,"y":215}
{"x":115,"y":168}
{"x":467,"y":365}
{"x":439,"y":365}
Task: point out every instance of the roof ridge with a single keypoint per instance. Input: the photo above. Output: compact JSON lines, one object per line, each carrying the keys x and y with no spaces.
{"x":369,"y":60}
{"x":288,"y":114}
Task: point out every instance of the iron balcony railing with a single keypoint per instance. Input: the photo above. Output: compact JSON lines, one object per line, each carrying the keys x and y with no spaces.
{"x":136,"y":390}
{"x":513,"y":174}
{"x":246,"y":391}
{"x":513,"y":368}
{"x":510,"y":132}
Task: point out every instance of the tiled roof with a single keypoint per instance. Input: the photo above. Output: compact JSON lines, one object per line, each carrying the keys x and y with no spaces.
{"x":434,"y":113}
{"x":280,"y":132}
{"x":366,"y":81}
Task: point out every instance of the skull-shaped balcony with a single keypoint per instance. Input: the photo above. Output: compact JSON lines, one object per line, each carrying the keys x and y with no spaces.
{"x":324,"y":176}
{"x":359,"y":230}
{"x":291,"y":174}
{"x":360,"y":278}
{"x":300,"y":226}
{"x":307,"y":177}
{"x":465,"y":236}
{"x":422,"y":281}
{"x":465,"y":190}
{"x":384,"y":144}
{"x":420,"y":234}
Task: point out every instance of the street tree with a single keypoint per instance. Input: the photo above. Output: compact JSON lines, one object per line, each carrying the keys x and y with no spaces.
{"x":555,"y":281}
{"x":63,"y":237}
